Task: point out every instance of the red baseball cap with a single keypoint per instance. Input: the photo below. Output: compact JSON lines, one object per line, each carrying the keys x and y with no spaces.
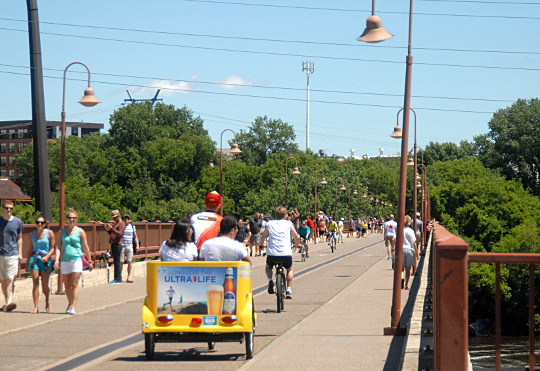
{"x":213,"y":199}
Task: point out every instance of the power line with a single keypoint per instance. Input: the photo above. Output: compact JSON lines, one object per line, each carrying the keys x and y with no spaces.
{"x":281,"y":54}
{"x":355,"y":45}
{"x":263,"y":87}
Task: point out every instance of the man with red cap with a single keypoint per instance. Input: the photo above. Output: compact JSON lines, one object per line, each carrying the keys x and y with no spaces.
{"x":206,"y":223}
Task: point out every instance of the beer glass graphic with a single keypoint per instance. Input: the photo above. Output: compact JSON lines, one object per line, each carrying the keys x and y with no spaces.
{"x":214,"y":300}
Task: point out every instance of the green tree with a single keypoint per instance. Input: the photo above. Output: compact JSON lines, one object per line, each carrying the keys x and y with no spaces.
{"x":264,"y":138}
{"x":513,"y":143}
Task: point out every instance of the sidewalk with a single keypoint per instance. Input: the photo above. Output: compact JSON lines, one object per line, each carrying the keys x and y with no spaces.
{"x":345,"y":333}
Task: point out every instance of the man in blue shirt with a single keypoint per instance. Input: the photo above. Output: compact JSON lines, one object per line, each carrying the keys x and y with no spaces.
{"x":11,"y":229}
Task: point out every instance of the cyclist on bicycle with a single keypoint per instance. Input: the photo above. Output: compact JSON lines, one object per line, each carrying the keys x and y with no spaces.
{"x":279,"y":249}
{"x":304,"y":232}
{"x":332,"y":229}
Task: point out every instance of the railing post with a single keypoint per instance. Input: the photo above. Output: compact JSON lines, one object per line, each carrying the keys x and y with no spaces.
{"x":450,"y":308}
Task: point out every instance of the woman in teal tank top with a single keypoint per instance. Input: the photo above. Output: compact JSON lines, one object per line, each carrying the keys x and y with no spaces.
{"x":74,"y":246}
{"x":40,"y":262}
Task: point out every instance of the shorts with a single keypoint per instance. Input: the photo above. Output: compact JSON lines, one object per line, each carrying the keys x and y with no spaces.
{"x":408,"y":257}
{"x":40,"y":266}
{"x":71,"y":267}
{"x":255,"y":238}
{"x":358,"y":229}
{"x":286,"y":261}
{"x":126,"y":253}
{"x":9,"y":266}
{"x":388,"y":240}
{"x":364,"y":230}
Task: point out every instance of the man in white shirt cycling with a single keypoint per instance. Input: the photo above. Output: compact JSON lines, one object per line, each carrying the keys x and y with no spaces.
{"x":279,"y":249}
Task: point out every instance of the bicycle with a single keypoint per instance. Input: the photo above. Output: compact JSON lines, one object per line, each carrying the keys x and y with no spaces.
{"x":303,"y":250}
{"x":280,"y":286}
{"x":333,"y":241}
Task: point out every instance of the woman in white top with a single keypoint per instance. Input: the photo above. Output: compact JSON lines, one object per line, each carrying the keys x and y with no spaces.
{"x":409,"y":250}
{"x":179,"y":247}
{"x":130,"y":244}
{"x":279,"y":232}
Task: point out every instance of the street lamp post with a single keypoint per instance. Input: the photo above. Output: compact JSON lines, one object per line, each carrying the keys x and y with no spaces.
{"x":88,"y":100}
{"x":342,"y":188}
{"x":295,"y":172}
{"x":323,"y":182}
{"x":355,"y":192}
{"x":234,"y":151}
{"x":372,"y":29}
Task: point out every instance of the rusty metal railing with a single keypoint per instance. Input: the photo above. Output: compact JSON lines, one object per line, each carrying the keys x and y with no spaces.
{"x":450,"y":292}
{"x":151,"y":234}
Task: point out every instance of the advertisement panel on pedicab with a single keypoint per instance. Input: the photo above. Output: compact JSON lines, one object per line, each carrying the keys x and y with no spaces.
{"x":209,"y":291}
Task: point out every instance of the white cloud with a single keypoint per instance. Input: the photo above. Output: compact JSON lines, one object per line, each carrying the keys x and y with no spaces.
{"x":235,"y":82}
{"x":168,"y":87}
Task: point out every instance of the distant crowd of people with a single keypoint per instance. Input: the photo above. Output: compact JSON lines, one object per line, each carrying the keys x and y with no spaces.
{"x":205,"y":236}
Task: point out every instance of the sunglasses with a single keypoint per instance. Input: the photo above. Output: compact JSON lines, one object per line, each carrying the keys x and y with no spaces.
{"x":71,"y":217}
{"x":8,"y":208}
{"x":40,"y":222}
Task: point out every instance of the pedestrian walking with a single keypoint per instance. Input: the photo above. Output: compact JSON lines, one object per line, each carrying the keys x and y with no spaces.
{"x":130,"y":244}
{"x":74,"y":248}
{"x":11,"y":247}
{"x":40,"y":263}
{"x":116,"y":232}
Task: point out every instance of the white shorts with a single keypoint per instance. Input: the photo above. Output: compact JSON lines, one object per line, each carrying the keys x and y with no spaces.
{"x":9,"y":266}
{"x":71,"y":267}
{"x":126,"y":252}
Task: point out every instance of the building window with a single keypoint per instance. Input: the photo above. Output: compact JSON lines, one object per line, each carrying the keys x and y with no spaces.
{"x":3,"y":147}
{"x":2,"y":161}
{"x":3,"y":173}
{"x":12,"y":174}
{"x":10,"y":161}
{"x":11,"y":147}
{"x":21,"y":146}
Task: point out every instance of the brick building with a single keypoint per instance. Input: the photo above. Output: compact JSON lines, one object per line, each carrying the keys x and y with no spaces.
{"x":15,"y":136}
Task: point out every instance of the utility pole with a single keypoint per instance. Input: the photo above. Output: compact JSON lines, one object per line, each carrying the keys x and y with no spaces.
{"x":309,"y":67}
{"x":42,"y":182}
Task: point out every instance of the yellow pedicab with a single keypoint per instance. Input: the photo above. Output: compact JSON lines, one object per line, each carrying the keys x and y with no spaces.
{"x":191,"y":302}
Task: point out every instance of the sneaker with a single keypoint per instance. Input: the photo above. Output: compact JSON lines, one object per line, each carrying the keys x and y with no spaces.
{"x":389,"y":258}
{"x":10,"y":307}
{"x":288,"y":294}
{"x":71,"y":312}
{"x":307,"y":255}
{"x":118,"y":281}
{"x":271,"y":287}
{"x":113,"y":281}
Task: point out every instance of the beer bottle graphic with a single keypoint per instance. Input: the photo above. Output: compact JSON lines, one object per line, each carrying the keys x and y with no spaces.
{"x":229,"y":297}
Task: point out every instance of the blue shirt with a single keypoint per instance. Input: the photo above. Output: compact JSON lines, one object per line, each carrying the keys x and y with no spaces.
{"x":11,"y":229}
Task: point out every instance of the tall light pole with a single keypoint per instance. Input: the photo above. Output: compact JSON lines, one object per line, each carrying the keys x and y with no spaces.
{"x":234,"y":151}
{"x":323,"y":182}
{"x":309,"y":68}
{"x":42,"y":181}
{"x":88,"y":100}
{"x":355,"y":192}
{"x":342,"y":188}
{"x":374,"y":30}
{"x":295,"y":172}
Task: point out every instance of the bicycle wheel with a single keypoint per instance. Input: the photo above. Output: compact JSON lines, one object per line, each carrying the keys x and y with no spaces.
{"x":279,"y":291}
{"x":303,"y":252}
{"x":333,"y":244}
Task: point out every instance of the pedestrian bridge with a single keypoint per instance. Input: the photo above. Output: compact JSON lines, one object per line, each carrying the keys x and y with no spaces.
{"x":341,"y":306}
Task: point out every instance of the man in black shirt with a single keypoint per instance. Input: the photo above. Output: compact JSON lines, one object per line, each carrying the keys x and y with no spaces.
{"x":255,"y":225}
{"x":243,"y":233}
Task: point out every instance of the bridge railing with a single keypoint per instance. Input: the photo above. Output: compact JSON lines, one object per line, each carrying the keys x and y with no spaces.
{"x":451,"y":259}
{"x":151,"y":234}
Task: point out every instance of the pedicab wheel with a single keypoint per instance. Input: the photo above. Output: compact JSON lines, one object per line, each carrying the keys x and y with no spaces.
{"x":249,"y":344}
{"x":149,"y":346}
{"x":211,"y":345}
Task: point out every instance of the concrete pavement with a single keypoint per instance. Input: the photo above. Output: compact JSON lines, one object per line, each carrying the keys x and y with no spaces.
{"x":344,"y":330}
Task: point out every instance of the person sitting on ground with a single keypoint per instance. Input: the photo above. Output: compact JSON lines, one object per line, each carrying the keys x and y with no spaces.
{"x":225,"y":247}
{"x":179,"y":246}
